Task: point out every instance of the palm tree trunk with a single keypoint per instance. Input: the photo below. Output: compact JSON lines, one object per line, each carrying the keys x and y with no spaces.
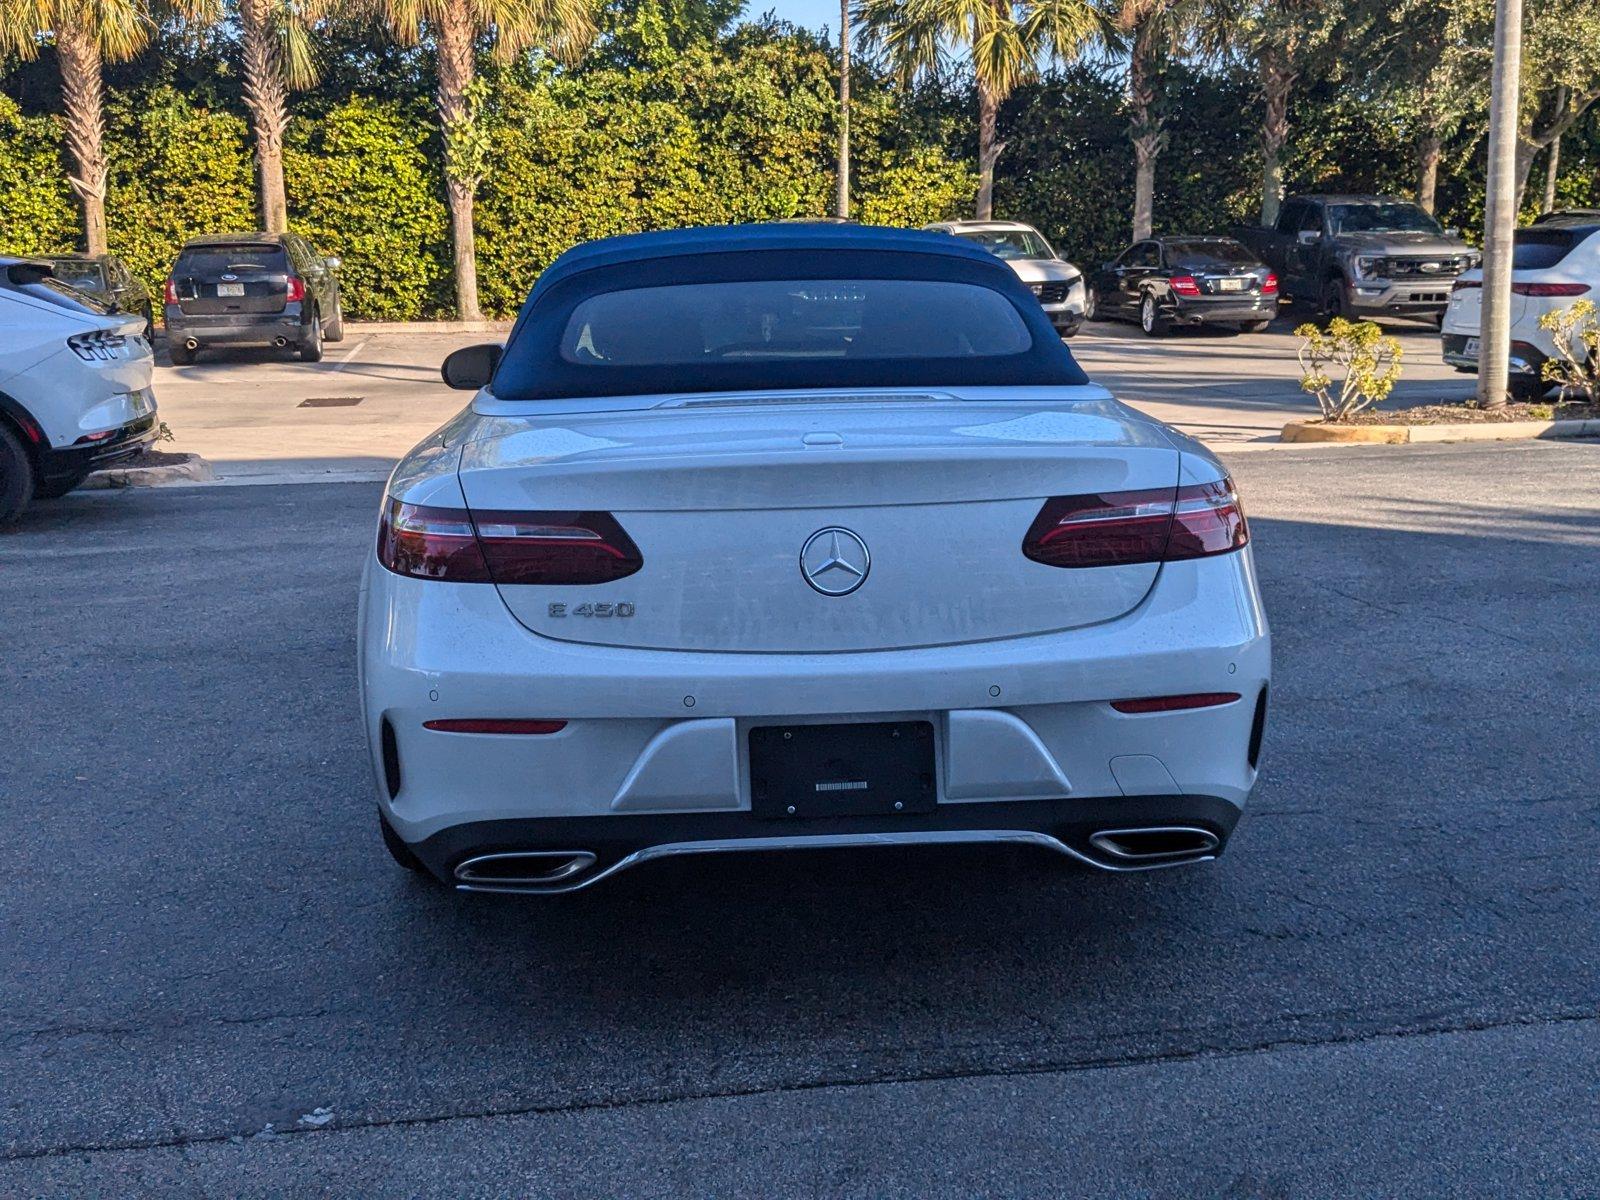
{"x":456,"y":67}
{"x":1144,"y":126}
{"x":1428,"y":153}
{"x":988,"y":150}
{"x":1552,"y":169}
{"x":267,"y":98}
{"x":842,"y":207}
{"x":83,"y":97}
{"x":1277,"y":78}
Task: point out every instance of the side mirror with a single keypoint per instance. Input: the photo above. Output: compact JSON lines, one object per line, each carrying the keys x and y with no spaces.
{"x":471,"y":367}
{"x":332,"y":262}
{"x":1310,"y":237}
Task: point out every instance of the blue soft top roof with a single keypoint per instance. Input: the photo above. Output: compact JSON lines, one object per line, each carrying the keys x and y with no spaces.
{"x":533,"y":367}
{"x":740,"y":239}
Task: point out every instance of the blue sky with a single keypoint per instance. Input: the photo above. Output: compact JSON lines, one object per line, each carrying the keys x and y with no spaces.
{"x":811,"y":13}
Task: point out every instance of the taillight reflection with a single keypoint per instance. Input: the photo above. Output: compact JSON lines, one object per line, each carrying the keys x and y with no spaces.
{"x":456,"y":546}
{"x":1121,"y":528}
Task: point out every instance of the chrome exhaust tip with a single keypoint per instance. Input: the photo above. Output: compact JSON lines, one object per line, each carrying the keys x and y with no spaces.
{"x":1155,"y":845}
{"x":523,"y":870}
{"x":191,"y":343}
{"x":280,"y":342}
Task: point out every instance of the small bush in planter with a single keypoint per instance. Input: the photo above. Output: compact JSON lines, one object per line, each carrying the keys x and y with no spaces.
{"x":1367,"y":359}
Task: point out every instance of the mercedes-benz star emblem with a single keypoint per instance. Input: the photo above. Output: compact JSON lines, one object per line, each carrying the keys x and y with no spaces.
{"x":835,"y":561}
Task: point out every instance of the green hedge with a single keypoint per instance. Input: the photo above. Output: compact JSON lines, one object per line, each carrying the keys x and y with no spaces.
{"x":37,"y":213}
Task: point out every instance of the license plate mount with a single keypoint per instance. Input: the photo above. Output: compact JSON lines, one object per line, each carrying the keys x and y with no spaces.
{"x":1230,"y":285}
{"x":1471,"y":348}
{"x":858,"y":769}
{"x":230,"y":289}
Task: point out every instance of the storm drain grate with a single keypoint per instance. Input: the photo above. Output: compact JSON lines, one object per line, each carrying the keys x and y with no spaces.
{"x":331,"y":401}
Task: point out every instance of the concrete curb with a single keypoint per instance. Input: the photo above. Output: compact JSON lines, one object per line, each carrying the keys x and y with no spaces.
{"x":357,"y":328}
{"x":1402,"y":435}
{"x":193,"y":469}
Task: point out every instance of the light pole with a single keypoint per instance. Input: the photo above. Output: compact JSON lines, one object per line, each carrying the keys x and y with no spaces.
{"x":1500,"y":210}
{"x":842,"y":208}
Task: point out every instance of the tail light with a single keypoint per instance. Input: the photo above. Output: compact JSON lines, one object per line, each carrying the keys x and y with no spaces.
{"x":1154,"y":525}
{"x":96,"y":345}
{"x":1549,"y":289}
{"x":1462,"y":285}
{"x":495,"y":725}
{"x":454,"y":545}
{"x":172,"y":291}
{"x":1184,"y":285}
{"x":297,"y":289}
{"x":1153,"y":704}
{"x":1269,"y":285}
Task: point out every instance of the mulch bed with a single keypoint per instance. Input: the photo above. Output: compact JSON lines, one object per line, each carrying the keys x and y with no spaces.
{"x":1464,"y":414}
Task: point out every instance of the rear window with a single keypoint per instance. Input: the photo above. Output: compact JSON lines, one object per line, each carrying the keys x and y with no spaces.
{"x":85,"y":276}
{"x":1208,"y":253}
{"x":790,"y":320}
{"x":1538,"y":249}
{"x":232,"y":260}
{"x":29,"y":280}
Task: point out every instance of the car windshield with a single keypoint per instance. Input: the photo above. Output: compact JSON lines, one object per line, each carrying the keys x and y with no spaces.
{"x":1382,"y":218}
{"x":794,"y":320}
{"x":235,"y":260}
{"x":74,"y":272}
{"x":1209,"y":252}
{"x":1008,"y":243}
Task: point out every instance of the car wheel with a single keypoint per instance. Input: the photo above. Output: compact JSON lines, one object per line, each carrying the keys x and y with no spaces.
{"x":311,"y":346}
{"x":1254,"y":326}
{"x":1091,"y":305}
{"x":398,"y":850}
{"x":335,"y":330}
{"x":1333,"y":301}
{"x":1068,"y":328}
{"x":1150,"y":319}
{"x":16,"y":476}
{"x":54,"y":489}
{"x":1526,"y":389}
{"x":182,"y":356}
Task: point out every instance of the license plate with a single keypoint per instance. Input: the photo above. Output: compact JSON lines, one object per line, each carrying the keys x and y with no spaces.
{"x":1230,"y":285}
{"x":1471,"y":348}
{"x":841,"y":770}
{"x":230,"y":289}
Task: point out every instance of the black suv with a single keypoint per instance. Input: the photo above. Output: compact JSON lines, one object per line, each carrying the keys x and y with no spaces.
{"x":243,"y":289}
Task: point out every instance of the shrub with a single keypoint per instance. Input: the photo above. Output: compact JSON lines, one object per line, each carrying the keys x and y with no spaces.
{"x":37,"y":214}
{"x":1368,"y":359}
{"x":1575,"y":330}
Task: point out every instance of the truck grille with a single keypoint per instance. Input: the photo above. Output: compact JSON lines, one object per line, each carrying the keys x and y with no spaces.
{"x":1050,"y":293}
{"x":1442,"y":267}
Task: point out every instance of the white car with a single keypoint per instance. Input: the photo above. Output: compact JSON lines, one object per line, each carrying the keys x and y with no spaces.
{"x":74,"y":385}
{"x":775,"y":537}
{"x":1552,"y":264}
{"x":1057,"y":283}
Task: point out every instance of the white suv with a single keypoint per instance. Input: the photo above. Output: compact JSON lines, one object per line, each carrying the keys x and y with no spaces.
{"x":1057,"y":283}
{"x":1552,"y":264}
{"x":74,"y":385}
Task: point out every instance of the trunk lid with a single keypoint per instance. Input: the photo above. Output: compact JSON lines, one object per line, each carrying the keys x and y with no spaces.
{"x":722,"y":495}
{"x":220,"y":280}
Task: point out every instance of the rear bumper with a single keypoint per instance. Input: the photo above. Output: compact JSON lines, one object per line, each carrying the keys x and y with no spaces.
{"x":1212,"y":311}
{"x":1525,"y":359}
{"x":1066,"y":826}
{"x":62,"y":463}
{"x":242,"y":329}
{"x":1022,"y":726}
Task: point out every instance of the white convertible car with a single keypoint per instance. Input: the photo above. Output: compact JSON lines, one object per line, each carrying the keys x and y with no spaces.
{"x":778,"y":537}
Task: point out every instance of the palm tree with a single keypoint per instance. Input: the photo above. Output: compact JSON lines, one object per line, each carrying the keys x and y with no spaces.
{"x":1007,"y":39}
{"x":563,"y":27}
{"x":275,"y":59}
{"x":87,"y":34}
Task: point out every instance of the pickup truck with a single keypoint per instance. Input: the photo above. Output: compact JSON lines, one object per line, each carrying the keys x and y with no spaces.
{"x":1361,"y":256}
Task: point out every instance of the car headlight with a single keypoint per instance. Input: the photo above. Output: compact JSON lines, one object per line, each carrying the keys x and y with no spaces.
{"x":1368,"y":266}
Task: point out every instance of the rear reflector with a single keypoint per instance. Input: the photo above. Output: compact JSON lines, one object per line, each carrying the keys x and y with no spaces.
{"x":456,"y":546}
{"x":494,"y":725}
{"x":1549,"y":289}
{"x":1154,"y":525}
{"x":1154,"y":704}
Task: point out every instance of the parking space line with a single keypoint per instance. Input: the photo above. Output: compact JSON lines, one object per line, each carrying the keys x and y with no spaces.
{"x":345,"y":361}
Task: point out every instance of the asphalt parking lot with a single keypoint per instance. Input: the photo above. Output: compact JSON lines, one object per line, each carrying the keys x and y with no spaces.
{"x":262,"y":414}
{"x":214,"y":983}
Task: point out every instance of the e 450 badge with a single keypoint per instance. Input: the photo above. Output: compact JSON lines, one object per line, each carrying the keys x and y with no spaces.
{"x":621,"y":608}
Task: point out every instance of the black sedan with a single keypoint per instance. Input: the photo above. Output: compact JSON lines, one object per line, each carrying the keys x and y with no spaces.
{"x":107,"y":278}
{"x":1167,"y":281}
